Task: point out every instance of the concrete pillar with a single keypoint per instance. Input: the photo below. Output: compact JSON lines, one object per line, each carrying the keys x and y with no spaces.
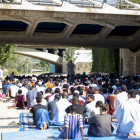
{"x":51,"y":66}
{"x":64,"y":67}
{"x":134,"y":64}
{"x":129,"y":62}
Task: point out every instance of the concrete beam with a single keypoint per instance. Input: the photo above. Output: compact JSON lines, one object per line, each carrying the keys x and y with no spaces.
{"x":61,"y":20}
{"x":21,"y":19}
{"x":51,"y":58}
{"x":104,"y":23}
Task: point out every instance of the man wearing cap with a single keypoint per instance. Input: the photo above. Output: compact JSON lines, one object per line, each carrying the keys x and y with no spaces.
{"x":91,"y":86}
{"x":41,"y":88}
{"x":1,"y":75}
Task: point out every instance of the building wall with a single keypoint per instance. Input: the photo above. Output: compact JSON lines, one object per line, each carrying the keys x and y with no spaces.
{"x":83,"y":63}
{"x":131,"y":62}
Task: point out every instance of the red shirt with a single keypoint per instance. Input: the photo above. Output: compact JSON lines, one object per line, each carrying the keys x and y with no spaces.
{"x":19,"y":99}
{"x":81,"y":102}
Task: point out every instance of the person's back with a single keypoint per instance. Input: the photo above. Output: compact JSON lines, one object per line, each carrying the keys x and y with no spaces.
{"x":14,"y":89}
{"x":120,"y":98}
{"x":19,"y":99}
{"x":38,"y":106}
{"x":128,"y":116}
{"x":97,"y":96}
{"x":100,"y":125}
{"x":80,"y":108}
{"x":31,"y":95}
{"x":41,"y":88}
{"x":24,"y":89}
{"x":51,"y":106}
{"x":59,"y":109}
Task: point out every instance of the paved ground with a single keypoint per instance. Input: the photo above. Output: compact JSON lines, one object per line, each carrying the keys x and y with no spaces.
{"x":7,"y":116}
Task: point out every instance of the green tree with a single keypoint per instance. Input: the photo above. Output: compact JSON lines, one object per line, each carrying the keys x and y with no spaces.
{"x":69,"y":54}
{"x":6,"y":52}
{"x":44,"y":65}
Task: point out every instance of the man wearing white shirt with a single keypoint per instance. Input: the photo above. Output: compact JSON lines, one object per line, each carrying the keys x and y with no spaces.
{"x":59,"y":109}
{"x":1,"y":76}
{"x":24,"y":89}
{"x":120,"y":98}
{"x":14,"y":89}
{"x":90,"y":106}
{"x":128,"y":116}
{"x":55,"y":86}
{"x":97,"y":96}
{"x":40,"y":88}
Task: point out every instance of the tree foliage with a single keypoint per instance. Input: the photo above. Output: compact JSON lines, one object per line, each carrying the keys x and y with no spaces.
{"x":44,"y":65}
{"x":105,"y":60}
{"x":69,"y":54}
{"x":6,"y":53}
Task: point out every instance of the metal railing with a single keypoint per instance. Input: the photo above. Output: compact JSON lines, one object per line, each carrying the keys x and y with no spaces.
{"x":80,"y":3}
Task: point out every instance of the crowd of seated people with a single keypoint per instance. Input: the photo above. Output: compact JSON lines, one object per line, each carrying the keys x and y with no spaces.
{"x":74,"y":101}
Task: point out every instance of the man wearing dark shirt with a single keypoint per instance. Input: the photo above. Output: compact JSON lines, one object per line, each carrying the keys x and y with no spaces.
{"x":51,"y":106}
{"x":80,"y":108}
{"x":38,"y":106}
{"x":100,"y":125}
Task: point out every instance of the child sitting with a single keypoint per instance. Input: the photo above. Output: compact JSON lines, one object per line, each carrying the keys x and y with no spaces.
{"x":73,"y":125}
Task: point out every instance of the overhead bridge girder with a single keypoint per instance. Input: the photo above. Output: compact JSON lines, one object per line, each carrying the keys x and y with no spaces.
{"x":51,"y":58}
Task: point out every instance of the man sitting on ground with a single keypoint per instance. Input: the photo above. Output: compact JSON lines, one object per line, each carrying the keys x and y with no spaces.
{"x":40,"y":114}
{"x":120,"y":98}
{"x":47,"y":94}
{"x":38,"y":106}
{"x":97,"y":96}
{"x":19,"y":100}
{"x":73,"y":125}
{"x":40,"y":88}
{"x":128,"y":116}
{"x":14,"y":89}
{"x":52,"y":104}
{"x":31,"y":95}
{"x":80,"y":108}
{"x":91,"y":105}
{"x":24,"y":89}
{"x":100,"y":125}
{"x":59,"y":109}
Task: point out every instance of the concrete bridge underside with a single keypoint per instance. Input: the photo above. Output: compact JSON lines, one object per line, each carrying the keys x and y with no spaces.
{"x":51,"y":58}
{"x":68,"y":25}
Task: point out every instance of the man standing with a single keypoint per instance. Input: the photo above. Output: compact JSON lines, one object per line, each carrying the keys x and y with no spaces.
{"x":128,"y":116}
{"x":1,"y":75}
{"x":70,"y":67}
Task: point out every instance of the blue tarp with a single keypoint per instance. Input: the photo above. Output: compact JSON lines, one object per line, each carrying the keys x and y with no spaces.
{"x":52,"y":135}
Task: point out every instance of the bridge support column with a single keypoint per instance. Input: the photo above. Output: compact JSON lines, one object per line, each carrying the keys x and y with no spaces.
{"x":129,"y":62}
{"x":64,"y":66}
{"x":51,"y":66}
